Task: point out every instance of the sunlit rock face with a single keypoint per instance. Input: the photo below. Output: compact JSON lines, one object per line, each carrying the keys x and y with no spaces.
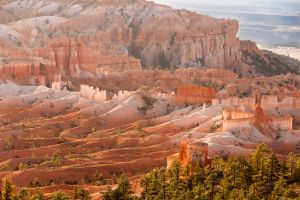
{"x":192,"y":153}
{"x":85,"y":37}
{"x":130,"y":28}
{"x":106,"y":110}
{"x":69,"y":56}
{"x":192,"y":40}
{"x":193,"y":95}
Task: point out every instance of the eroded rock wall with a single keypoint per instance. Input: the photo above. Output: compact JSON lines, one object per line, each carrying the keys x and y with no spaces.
{"x":192,"y":95}
{"x":274,"y":102}
{"x":111,"y":64}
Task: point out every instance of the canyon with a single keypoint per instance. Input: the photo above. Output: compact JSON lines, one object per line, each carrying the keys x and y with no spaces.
{"x":98,"y":133}
{"x":45,"y":46}
{"x":90,"y":90}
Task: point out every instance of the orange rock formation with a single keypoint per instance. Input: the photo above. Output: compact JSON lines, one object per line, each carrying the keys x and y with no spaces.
{"x":69,"y":56}
{"x":194,"y":153}
{"x":62,"y":57}
{"x":188,"y":94}
{"x":236,"y":119}
{"x":110,"y":64}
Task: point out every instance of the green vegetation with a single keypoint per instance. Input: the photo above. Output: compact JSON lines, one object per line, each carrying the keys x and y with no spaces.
{"x":56,"y":159}
{"x":6,"y":190}
{"x":59,"y":196}
{"x":123,"y":191}
{"x":274,"y":64}
{"x":7,"y":194}
{"x":262,"y":176}
{"x":211,"y":83}
{"x":81,"y":194}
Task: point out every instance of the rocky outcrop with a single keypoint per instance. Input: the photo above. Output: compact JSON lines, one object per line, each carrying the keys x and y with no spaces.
{"x":93,"y":94}
{"x":31,"y":73}
{"x":197,"y":73}
{"x":69,"y":56}
{"x":138,"y":28}
{"x":132,"y":34}
{"x":249,"y":102}
{"x":111,"y":64}
{"x":25,"y":68}
{"x":237,"y":119}
{"x":66,"y":57}
{"x":275,"y":102}
{"x":191,"y":152}
{"x":197,"y":41}
{"x":193,"y":95}
{"x":265,"y":62}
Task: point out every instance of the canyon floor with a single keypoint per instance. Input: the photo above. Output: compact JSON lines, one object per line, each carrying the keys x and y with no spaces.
{"x":57,"y":139}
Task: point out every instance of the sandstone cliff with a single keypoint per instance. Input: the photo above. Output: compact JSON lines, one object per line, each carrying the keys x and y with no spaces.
{"x":116,"y":36}
{"x":138,"y":28}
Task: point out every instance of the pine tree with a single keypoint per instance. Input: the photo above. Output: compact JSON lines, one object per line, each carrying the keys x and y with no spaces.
{"x":22,"y":195}
{"x":59,"y":196}
{"x":163,"y":184}
{"x":84,"y":194}
{"x":7,"y":189}
{"x":56,"y":159}
{"x":212,"y":182}
{"x":291,"y":163}
{"x":124,"y":187}
{"x":273,"y":167}
{"x":237,"y":179}
{"x":37,"y":195}
{"x":123,"y":191}
{"x":282,"y":191}
{"x":236,"y":194}
{"x":75,"y":193}
{"x":176,"y":185}
{"x":108,"y":194}
{"x":257,"y":156}
{"x":175,"y":172}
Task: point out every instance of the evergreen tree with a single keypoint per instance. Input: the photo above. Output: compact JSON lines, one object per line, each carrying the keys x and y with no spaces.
{"x":213,"y":178}
{"x":22,"y":195}
{"x":75,"y":193}
{"x":59,"y":196}
{"x":236,"y":179}
{"x":176,"y":185}
{"x":56,"y":159}
{"x":291,"y":163}
{"x":37,"y":195}
{"x":282,"y":191}
{"x":273,"y":167}
{"x":258,"y":155}
{"x":236,"y":194}
{"x":122,"y":192}
{"x":7,"y":189}
{"x":81,"y":194}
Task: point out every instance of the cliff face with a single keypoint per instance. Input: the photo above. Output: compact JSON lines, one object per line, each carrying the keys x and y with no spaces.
{"x":25,"y":68}
{"x":173,"y":38}
{"x":116,"y":36}
{"x":262,"y":62}
{"x":69,"y":56}
{"x":46,"y":65}
{"x":191,"y":95}
{"x":156,"y":34}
